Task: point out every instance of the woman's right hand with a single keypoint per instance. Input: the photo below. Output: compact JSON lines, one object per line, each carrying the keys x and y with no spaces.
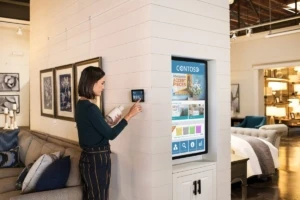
{"x":134,"y":110}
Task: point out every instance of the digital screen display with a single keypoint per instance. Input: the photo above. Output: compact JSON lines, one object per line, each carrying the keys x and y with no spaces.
{"x":137,"y":94}
{"x":189,"y":107}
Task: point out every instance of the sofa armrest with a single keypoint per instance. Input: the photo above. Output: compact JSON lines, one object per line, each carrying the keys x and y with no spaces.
{"x":72,"y":193}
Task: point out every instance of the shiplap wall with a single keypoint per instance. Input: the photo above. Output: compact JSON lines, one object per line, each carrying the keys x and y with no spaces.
{"x":11,"y":43}
{"x":136,"y":39}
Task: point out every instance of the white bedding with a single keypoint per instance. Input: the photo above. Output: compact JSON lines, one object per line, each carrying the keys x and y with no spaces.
{"x":244,"y":149}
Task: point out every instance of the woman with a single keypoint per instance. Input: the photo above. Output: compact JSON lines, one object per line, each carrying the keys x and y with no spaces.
{"x":94,"y":134}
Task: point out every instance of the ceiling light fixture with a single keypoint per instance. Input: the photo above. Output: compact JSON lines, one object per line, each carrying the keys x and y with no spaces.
{"x":266,"y":24}
{"x":248,"y":32}
{"x":19,"y":32}
{"x":233,"y":36}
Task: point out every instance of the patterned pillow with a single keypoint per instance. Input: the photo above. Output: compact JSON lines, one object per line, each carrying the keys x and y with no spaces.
{"x":9,"y":158}
{"x":8,"y":139}
{"x":36,"y":171}
{"x":22,"y":176}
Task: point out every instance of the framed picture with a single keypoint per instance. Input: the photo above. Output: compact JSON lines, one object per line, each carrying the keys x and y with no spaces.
{"x":292,"y":115}
{"x":277,"y":100}
{"x":78,"y":68}
{"x":7,"y":101}
{"x":64,"y":92}
{"x":235,"y":98}
{"x":47,"y":92}
{"x":9,"y":82}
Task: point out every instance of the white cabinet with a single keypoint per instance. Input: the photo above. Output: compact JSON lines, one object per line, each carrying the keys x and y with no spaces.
{"x":194,"y":181}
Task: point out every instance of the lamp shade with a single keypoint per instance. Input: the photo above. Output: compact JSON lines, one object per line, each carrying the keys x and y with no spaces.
{"x":271,"y":111}
{"x":297,"y":88}
{"x":296,"y":109}
{"x":283,"y":86}
{"x":280,"y":112}
{"x":293,"y":102}
{"x":297,"y":68}
{"x":275,"y":85}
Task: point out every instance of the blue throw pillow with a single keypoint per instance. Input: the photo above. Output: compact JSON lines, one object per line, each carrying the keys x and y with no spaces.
{"x":8,"y":139}
{"x":55,"y":176}
{"x":9,"y":158}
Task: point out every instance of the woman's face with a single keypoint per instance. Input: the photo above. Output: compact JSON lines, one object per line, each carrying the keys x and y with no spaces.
{"x":99,"y":86}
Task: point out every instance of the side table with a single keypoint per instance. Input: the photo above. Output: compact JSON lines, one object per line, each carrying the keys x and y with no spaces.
{"x":239,"y":171}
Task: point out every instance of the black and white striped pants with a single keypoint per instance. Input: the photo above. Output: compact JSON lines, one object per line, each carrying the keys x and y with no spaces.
{"x":95,"y":169}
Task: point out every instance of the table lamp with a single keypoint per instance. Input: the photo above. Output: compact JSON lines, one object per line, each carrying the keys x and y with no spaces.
{"x":280,"y":112}
{"x":271,"y":111}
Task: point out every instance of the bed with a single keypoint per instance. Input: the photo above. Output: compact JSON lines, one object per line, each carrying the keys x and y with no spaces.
{"x":258,"y":146}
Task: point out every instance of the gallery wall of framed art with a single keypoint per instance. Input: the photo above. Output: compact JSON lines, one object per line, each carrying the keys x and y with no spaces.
{"x":59,"y":89}
{"x":9,"y":83}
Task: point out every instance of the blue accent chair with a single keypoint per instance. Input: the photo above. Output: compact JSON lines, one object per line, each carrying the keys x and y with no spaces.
{"x":252,"y":122}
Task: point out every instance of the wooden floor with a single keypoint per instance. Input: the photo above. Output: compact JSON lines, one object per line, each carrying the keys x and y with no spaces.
{"x":285,"y":184}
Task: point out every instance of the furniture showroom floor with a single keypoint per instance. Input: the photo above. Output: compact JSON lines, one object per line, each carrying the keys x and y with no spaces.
{"x":285,"y":184}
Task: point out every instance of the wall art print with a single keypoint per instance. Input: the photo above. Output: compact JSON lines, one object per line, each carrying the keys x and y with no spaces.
{"x":235,"y":98}
{"x":64,"y":92}
{"x":78,"y":68}
{"x":9,"y":82}
{"x":7,"y":101}
{"x":47,"y":92}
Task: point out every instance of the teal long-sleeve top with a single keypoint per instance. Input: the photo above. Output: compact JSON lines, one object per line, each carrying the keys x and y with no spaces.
{"x":93,"y":130}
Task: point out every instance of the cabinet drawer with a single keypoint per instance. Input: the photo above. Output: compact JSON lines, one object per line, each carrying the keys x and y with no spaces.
{"x":238,"y":169}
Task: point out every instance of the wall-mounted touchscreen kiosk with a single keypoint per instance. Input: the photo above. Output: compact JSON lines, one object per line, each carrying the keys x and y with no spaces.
{"x":138,"y":94}
{"x":189,"y":107}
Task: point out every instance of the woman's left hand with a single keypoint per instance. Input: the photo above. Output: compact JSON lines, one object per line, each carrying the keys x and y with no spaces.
{"x":117,"y":119}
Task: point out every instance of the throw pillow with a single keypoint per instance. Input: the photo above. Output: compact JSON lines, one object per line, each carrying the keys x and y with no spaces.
{"x":55,"y":176}
{"x":36,"y":171}
{"x":9,"y":158}
{"x":8,"y":139}
{"x":22,"y":176}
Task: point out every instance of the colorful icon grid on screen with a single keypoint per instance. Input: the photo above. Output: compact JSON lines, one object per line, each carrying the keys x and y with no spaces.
{"x":186,"y":130}
{"x":178,"y":131}
{"x":188,"y":146}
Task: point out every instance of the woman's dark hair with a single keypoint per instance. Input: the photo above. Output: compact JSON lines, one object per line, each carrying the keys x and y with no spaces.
{"x":89,"y":77}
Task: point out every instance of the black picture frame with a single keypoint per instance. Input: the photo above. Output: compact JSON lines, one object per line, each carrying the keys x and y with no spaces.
{"x":235,"y":97}
{"x":6,"y":101}
{"x":64,"y":92}
{"x":9,"y":82}
{"x":78,"y":68}
{"x":47,"y":93}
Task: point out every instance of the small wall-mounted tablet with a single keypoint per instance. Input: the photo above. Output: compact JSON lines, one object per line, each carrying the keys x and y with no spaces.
{"x":137,"y":94}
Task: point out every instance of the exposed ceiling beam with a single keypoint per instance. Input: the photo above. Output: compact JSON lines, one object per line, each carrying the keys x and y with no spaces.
{"x":254,"y":9}
{"x":16,"y":3}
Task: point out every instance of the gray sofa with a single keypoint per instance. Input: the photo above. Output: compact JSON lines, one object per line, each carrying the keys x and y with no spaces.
{"x":270,"y":133}
{"x":32,"y":145}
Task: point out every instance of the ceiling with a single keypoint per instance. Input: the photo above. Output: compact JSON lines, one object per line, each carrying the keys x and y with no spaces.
{"x":15,"y":9}
{"x":245,"y":13}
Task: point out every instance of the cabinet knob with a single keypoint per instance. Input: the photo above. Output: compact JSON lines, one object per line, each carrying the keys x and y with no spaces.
{"x":195,"y":187}
{"x":199,"y":188}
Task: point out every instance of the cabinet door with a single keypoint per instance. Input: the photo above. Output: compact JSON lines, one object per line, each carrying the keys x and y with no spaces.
{"x":186,"y":188}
